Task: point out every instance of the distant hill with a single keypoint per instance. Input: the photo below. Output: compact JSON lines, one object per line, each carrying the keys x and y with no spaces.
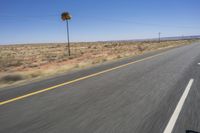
{"x":181,"y":37}
{"x":156,"y":39}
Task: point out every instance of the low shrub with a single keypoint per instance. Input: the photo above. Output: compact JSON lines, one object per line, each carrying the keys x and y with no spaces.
{"x":11,"y":78}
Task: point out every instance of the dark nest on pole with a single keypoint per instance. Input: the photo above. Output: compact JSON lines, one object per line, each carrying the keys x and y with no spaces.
{"x":65,"y":16}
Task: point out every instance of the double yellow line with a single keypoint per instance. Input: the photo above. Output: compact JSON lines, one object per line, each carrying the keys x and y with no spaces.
{"x":73,"y":81}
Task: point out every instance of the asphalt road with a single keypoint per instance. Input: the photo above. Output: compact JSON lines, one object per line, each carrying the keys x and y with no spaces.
{"x":147,"y":95}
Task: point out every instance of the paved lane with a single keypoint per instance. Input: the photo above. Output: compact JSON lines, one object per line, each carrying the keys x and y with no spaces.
{"x":139,"y":98}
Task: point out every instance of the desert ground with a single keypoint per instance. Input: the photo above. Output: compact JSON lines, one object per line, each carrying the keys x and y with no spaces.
{"x":27,"y":62}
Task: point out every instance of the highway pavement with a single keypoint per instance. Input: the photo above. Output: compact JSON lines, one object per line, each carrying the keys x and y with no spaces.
{"x":158,"y":92}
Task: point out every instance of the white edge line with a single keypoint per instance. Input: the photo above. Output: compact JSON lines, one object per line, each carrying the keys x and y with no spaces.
{"x":174,"y":117}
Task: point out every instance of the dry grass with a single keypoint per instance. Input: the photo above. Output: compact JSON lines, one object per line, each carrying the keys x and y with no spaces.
{"x":24,"y":62}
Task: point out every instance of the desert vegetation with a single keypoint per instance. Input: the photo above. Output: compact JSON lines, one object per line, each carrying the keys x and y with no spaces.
{"x":24,"y":62}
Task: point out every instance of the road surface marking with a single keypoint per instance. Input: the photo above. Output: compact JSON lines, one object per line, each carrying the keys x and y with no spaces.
{"x":198,"y":63}
{"x":76,"y":80}
{"x":174,"y":117}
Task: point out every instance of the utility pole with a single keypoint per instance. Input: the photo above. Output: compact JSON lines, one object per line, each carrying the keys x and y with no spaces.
{"x":159,"y":36}
{"x":65,"y":16}
{"x":183,"y":37}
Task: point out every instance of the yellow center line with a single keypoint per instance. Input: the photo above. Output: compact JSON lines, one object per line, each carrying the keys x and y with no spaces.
{"x":73,"y":81}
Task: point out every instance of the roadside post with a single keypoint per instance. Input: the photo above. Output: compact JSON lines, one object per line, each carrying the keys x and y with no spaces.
{"x":65,"y":16}
{"x":159,"y":37}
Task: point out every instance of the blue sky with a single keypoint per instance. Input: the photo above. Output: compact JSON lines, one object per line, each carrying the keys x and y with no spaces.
{"x":35,"y":21}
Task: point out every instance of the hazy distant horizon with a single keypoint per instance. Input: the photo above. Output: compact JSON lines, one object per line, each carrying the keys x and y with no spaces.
{"x":141,"y":39}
